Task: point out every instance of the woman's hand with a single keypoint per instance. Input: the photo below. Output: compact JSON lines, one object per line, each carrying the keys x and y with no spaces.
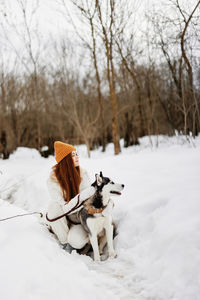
{"x":75,"y":203}
{"x":86,"y":193}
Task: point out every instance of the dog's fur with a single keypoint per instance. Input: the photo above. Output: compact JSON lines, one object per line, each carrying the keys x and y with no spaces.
{"x":93,"y":221}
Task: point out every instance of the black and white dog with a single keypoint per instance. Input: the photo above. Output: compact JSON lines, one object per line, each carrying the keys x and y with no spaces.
{"x":95,"y":216}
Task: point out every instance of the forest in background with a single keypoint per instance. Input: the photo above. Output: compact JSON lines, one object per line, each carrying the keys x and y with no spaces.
{"x":104,"y":82}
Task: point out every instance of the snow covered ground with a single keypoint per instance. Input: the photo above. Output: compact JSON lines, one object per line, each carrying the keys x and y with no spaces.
{"x":158,"y":219}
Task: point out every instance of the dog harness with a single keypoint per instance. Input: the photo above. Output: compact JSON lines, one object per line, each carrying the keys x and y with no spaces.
{"x":91,"y":210}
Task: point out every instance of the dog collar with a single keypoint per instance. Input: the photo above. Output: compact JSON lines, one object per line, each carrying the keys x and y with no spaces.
{"x":91,"y":210}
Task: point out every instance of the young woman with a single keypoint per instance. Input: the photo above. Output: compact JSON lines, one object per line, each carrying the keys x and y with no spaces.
{"x":68,"y":185}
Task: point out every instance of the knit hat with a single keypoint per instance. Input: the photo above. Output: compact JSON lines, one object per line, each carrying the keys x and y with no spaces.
{"x":62,"y":150}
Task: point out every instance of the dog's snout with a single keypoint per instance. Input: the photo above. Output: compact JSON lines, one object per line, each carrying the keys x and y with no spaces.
{"x":123,"y":185}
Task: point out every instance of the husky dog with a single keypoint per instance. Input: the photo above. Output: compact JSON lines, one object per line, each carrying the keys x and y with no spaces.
{"x":95,"y":215}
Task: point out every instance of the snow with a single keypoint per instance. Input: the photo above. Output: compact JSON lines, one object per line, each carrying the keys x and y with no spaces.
{"x":157,"y":216}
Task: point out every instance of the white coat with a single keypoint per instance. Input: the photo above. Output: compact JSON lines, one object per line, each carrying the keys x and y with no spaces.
{"x":76,"y":236}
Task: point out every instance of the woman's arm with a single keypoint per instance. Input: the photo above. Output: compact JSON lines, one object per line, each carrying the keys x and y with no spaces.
{"x":78,"y":199}
{"x":56,"y":196}
{"x":85,"y":180}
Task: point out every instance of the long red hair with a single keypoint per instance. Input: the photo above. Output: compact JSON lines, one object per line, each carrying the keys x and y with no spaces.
{"x":68,"y":176}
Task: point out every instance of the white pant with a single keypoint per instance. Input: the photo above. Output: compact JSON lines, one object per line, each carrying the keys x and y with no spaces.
{"x":76,"y":236}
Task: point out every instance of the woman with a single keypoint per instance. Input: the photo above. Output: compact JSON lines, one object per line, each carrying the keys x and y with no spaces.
{"x":67,"y":184}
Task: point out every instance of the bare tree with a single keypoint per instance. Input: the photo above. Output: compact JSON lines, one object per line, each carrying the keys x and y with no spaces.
{"x":107,"y":34}
{"x":180,"y":66}
{"x":88,"y":12}
{"x":75,"y":104}
{"x":28,"y":36}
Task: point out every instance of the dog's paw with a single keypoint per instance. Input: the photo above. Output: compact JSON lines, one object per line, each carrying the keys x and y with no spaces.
{"x":97,"y":259}
{"x":113,"y":254}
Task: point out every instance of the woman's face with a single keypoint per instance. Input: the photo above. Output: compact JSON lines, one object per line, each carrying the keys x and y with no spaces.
{"x":75,"y":158}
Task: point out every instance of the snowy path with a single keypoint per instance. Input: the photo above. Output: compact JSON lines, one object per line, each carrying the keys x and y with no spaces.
{"x":33,"y":255}
{"x":119,"y":277}
{"x":158,"y":244}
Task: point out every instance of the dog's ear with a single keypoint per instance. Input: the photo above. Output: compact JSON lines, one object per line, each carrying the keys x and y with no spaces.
{"x":101,"y":174}
{"x":98,"y":179}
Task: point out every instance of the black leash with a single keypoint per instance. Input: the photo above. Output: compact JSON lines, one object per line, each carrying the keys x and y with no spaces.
{"x":41,"y":215}
{"x":78,"y":204}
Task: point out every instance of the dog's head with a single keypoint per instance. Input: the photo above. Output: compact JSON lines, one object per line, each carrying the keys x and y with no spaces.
{"x":105,"y":185}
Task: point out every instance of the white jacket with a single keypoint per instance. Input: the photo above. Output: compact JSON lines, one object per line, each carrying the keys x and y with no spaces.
{"x":58,"y":206}
{"x":86,"y":190}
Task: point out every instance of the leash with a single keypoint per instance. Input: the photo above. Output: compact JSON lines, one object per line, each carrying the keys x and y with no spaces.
{"x":33,"y":213}
{"x":90,"y":210}
{"x":78,"y":204}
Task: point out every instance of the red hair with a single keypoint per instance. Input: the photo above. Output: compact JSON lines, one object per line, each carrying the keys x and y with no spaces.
{"x":68,"y":177}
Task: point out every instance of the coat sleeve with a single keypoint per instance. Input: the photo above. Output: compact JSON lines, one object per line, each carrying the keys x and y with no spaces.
{"x":85,"y":180}
{"x":56,"y":196}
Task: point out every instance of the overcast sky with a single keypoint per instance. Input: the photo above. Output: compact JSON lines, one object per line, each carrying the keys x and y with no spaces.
{"x":51,"y":24}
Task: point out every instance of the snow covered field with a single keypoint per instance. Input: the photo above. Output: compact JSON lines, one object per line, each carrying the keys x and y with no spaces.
{"x":158,"y":219}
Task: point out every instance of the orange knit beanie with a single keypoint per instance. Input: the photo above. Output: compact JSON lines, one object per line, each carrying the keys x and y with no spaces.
{"x":62,"y":150}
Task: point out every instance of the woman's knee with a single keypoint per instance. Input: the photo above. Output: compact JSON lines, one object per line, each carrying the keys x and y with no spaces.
{"x":61,"y":230}
{"x":59,"y":227}
{"x":77,"y":237}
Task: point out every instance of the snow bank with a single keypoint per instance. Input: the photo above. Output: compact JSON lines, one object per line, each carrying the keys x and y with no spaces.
{"x":34,"y":266}
{"x":24,"y":153}
{"x":157,"y":216}
{"x":147,"y":143}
